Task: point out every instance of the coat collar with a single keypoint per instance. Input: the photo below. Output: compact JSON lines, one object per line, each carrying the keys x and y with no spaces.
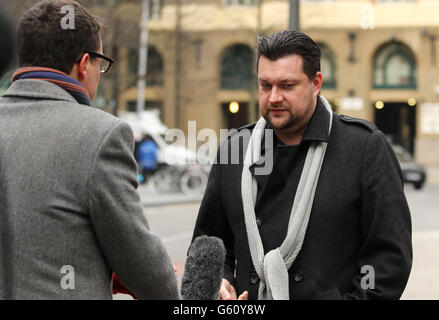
{"x":317,"y":130}
{"x":38,"y":89}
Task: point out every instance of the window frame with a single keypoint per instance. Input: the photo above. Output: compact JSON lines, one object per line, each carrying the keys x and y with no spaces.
{"x":331,"y":83}
{"x":247,"y":82}
{"x":401,"y":50}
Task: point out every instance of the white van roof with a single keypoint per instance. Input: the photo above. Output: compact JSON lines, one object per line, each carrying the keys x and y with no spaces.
{"x":148,"y":122}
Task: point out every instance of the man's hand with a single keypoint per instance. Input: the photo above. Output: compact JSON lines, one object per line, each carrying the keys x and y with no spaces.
{"x":227,"y":292}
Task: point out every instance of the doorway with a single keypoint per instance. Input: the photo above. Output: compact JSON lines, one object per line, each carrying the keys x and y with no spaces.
{"x":235,"y":119}
{"x":397,"y":120}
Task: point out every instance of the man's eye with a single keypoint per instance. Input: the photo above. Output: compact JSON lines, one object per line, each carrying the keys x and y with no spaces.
{"x":265,"y":86}
{"x":287,"y":85}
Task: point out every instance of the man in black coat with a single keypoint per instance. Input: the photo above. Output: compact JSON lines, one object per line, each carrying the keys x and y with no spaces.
{"x":357,"y":243}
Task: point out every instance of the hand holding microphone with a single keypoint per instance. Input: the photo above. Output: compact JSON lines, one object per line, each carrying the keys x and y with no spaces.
{"x":203,"y":275}
{"x":228,"y":292}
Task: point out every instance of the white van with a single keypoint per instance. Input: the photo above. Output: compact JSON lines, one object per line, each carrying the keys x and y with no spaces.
{"x":178,"y":169}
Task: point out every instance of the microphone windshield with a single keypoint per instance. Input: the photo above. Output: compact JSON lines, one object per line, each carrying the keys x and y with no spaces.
{"x":204,"y":269}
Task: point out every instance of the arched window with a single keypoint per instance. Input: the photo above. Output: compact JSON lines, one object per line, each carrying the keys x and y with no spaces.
{"x":237,"y":67}
{"x":154,"y":71}
{"x":394,"y":67}
{"x":328,"y":67}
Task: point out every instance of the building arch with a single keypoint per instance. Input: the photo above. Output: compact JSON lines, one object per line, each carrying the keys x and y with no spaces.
{"x":236,"y":68}
{"x":154,"y":71}
{"x":328,"y":67}
{"x":394,"y":67}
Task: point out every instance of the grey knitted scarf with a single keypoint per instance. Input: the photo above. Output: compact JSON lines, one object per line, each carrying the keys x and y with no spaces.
{"x":272,"y":268}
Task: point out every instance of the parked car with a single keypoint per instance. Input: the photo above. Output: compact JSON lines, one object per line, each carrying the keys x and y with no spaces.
{"x":412,"y":172}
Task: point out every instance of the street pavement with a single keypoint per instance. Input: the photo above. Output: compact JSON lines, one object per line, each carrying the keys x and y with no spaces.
{"x":424,"y":278}
{"x":152,"y":198}
{"x":173,"y":216}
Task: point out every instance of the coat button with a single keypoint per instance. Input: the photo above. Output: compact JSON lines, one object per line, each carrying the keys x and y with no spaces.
{"x":298,"y":276}
{"x":254,"y":277}
{"x":259,"y":222}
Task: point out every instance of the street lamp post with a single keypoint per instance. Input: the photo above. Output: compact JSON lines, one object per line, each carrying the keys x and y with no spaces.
{"x":177,"y":76}
{"x":143,"y":58}
{"x":253,"y":108}
{"x":294,"y":15}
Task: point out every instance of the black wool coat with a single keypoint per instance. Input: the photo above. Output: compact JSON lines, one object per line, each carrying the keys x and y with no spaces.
{"x":358,"y":240}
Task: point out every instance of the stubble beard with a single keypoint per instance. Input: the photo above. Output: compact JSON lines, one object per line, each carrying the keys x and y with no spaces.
{"x":286,"y":124}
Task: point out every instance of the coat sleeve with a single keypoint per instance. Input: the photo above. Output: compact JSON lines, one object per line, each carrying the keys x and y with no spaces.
{"x":119,"y":287}
{"x":135,"y":254}
{"x":212,"y":220}
{"x":385,"y":258}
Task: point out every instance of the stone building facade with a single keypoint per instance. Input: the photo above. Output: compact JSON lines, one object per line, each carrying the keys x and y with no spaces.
{"x":380,"y":62}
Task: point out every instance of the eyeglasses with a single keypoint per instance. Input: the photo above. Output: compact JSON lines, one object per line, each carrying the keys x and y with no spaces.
{"x":105,"y":63}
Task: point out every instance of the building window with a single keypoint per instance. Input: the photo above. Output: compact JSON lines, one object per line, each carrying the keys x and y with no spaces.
{"x":240,"y":2}
{"x":328,"y":67}
{"x":237,"y":67}
{"x":154,"y":71}
{"x":394,"y":67}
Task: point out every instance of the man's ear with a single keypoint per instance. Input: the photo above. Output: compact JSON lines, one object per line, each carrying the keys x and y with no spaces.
{"x":317,"y":82}
{"x":82,"y":66}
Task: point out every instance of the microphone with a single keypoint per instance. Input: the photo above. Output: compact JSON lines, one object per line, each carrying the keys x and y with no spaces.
{"x":203,"y":271}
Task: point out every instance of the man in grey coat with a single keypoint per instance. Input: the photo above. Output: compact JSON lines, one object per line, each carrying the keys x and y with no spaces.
{"x":70,"y":214}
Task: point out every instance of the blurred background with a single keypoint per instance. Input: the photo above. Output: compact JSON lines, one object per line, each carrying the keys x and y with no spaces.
{"x":380,"y":62}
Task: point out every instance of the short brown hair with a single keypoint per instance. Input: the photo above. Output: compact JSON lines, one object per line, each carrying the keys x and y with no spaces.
{"x":42,"y":41}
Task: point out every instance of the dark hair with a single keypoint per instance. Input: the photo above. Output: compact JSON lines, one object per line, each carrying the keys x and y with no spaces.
{"x":285,"y":43}
{"x":43,"y":42}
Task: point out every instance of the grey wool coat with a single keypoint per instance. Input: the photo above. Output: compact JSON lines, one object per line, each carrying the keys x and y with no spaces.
{"x":359,"y":220}
{"x":70,"y":213}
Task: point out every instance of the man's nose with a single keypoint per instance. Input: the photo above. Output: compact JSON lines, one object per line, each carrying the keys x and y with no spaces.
{"x":275,"y":96}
